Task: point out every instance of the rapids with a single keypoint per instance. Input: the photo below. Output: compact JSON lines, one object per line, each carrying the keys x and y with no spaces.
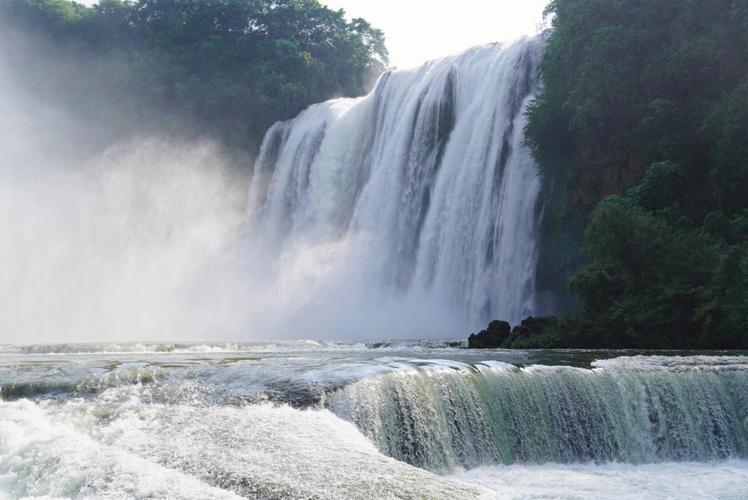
{"x":355,"y":420}
{"x":622,"y":410}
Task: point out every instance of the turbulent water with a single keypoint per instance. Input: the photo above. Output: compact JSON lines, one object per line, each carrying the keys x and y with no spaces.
{"x":384,"y":420}
{"x":492,"y":412}
{"x":425,"y":183}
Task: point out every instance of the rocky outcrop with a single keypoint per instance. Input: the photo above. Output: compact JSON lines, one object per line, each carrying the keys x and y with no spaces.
{"x":499,"y":334}
{"x":492,"y":337}
{"x":529,"y":331}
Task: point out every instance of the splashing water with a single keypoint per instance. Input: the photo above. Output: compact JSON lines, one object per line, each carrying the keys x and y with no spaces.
{"x":625,"y":410}
{"x":336,"y":420}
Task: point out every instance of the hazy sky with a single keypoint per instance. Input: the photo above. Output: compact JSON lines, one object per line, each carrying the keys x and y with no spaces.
{"x":419,"y":30}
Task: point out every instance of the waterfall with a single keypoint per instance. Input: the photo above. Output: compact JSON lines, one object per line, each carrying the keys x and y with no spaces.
{"x":634,"y":410}
{"x":427,"y":174}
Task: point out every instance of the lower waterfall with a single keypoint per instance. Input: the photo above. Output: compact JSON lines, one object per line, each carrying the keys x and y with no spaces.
{"x":329,"y":420}
{"x":634,"y":410}
{"x":426,"y":179}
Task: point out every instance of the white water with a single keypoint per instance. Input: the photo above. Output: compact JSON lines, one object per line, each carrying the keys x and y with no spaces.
{"x":151,"y":451}
{"x":331,"y":420}
{"x":624,"y":410}
{"x":181,"y":451}
{"x":420,"y":193}
{"x":727,"y":480}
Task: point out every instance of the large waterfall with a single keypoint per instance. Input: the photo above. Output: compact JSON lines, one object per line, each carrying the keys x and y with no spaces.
{"x":634,"y":410}
{"x":426,"y":180}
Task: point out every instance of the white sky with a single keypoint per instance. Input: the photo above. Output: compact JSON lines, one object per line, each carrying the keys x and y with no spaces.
{"x":419,"y":30}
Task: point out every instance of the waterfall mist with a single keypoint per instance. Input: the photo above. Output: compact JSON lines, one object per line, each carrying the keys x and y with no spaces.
{"x":408,"y":213}
{"x":129,"y":239}
{"x":134,"y":244}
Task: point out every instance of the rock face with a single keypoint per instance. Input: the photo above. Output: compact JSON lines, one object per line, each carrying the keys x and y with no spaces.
{"x":492,"y":337}
{"x":533,"y":326}
{"x":501,"y":334}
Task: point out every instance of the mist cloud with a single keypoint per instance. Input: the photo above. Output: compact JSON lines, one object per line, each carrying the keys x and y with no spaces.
{"x":145,"y":237}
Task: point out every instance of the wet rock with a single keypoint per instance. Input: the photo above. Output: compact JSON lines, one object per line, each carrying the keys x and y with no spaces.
{"x":492,"y":337}
{"x":532,"y":327}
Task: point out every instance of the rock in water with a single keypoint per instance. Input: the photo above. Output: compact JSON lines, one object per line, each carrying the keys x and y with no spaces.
{"x":492,"y":337}
{"x":530,"y":328}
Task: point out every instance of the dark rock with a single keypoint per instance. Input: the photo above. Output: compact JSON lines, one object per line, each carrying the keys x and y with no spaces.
{"x":492,"y":337}
{"x":534,"y":326}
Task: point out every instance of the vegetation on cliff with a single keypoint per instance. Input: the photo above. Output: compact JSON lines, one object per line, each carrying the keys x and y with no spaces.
{"x":222,"y":68}
{"x":641,"y":136}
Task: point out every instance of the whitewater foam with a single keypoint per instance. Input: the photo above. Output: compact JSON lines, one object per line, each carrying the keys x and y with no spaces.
{"x":124,"y":448}
{"x":45,"y":456}
{"x":331,"y":423}
{"x":639,"y":410}
{"x":727,"y":480}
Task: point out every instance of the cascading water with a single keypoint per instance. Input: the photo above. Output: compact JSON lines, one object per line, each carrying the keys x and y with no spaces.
{"x":329,"y":420}
{"x":635,"y":410}
{"x":428,"y":174}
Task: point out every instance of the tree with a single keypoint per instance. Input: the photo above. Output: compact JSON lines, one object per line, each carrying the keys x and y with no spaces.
{"x":646,"y":101}
{"x":226,"y":68}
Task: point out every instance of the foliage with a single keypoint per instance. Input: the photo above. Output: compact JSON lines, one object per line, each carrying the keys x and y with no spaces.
{"x":228,"y":68}
{"x":655,"y":283}
{"x":647,"y":100}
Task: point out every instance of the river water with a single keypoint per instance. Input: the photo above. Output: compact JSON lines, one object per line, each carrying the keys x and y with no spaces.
{"x":422,"y":419}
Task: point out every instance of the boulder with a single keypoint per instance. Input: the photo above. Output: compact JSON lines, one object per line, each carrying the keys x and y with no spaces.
{"x":492,"y":337}
{"x":534,"y":326}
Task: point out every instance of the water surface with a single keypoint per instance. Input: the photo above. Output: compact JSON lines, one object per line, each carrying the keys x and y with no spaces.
{"x":421,"y":419}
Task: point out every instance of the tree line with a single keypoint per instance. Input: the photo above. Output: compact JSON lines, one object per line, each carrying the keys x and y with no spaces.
{"x":223,"y":68}
{"x":640,"y":132}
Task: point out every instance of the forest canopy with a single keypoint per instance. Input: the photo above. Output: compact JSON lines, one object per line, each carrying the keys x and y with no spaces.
{"x":222,"y":68}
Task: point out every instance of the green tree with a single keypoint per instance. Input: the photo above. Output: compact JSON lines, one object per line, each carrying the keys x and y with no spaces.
{"x":226,"y":68}
{"x":646,"y":100}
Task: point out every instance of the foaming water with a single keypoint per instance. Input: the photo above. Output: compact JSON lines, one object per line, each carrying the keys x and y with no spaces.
{"x":417,"y":204}
{"x":726,"y":480}
{"x":191,"y":452}
{"x":45,"y":456}
{"x":625,"y":410}
{"x":386,"y":420}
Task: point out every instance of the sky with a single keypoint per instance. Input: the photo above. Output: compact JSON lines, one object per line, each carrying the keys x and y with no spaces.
{"x":420,"y":30}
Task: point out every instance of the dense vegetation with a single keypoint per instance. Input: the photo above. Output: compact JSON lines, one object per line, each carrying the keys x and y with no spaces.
{"x":641,"y":136}
{"x":224,"y":68}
